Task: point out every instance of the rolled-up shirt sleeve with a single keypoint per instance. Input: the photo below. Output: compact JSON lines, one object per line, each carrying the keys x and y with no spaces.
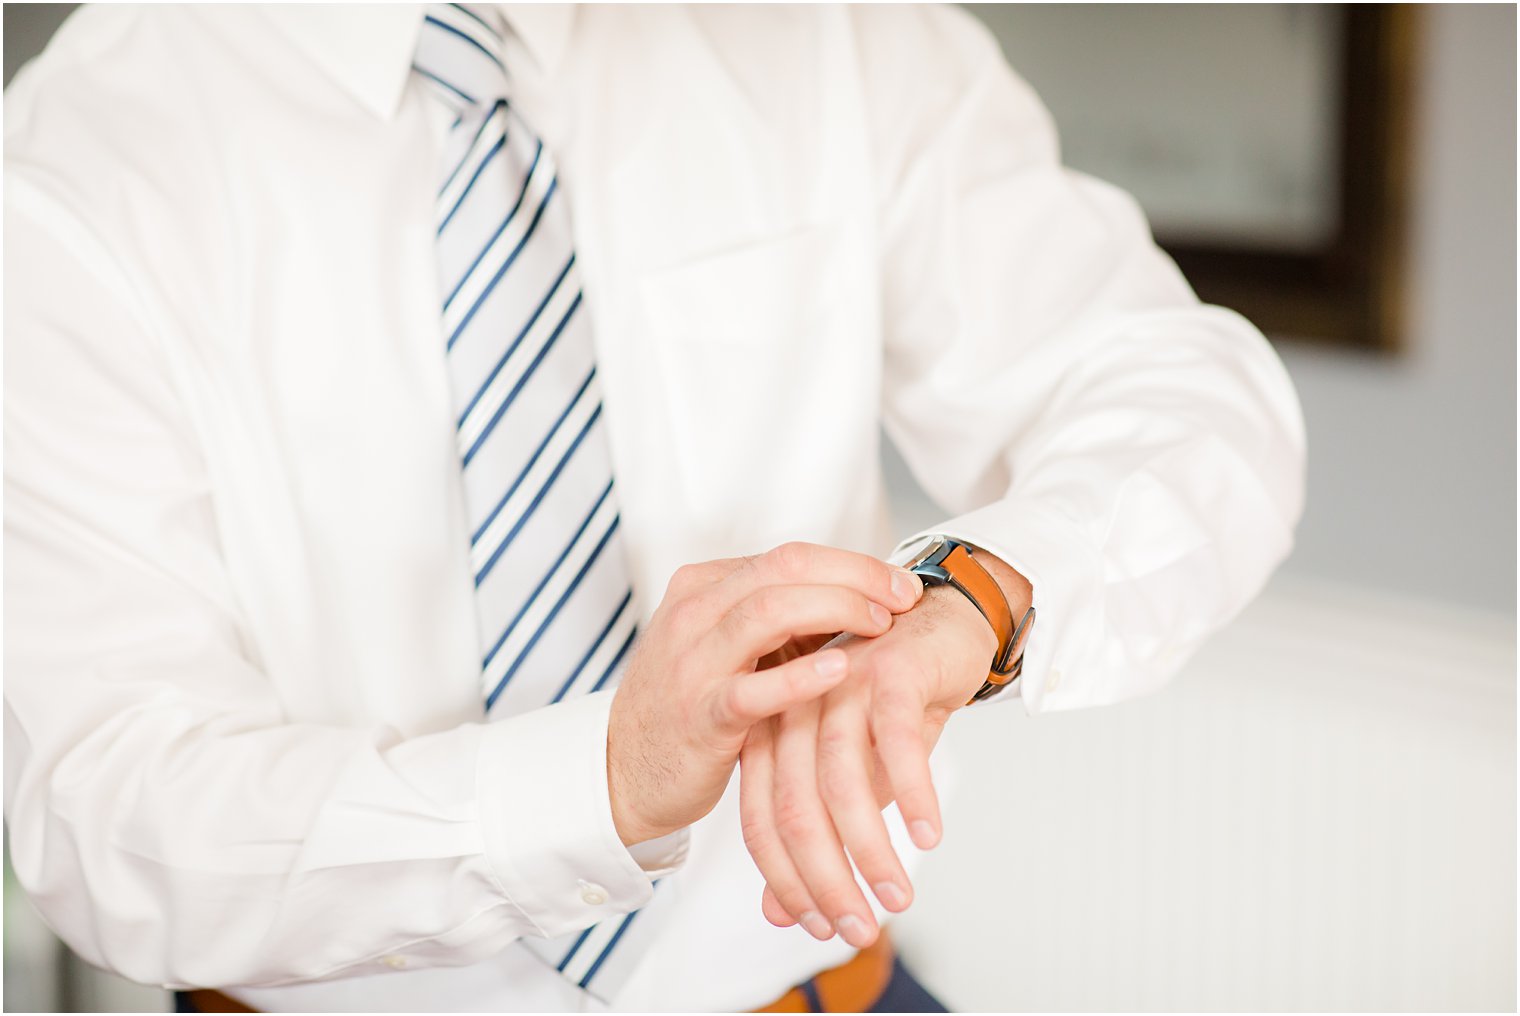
{"x":167,"y":817}
{"x":1054,"y":383}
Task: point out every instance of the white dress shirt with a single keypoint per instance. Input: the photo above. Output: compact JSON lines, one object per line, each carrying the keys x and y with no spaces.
{"x":243,"y":737}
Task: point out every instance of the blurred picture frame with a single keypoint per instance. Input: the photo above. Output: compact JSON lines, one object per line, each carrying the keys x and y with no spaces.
{"x":1346,"y":286}
{"x":1267,"y":144}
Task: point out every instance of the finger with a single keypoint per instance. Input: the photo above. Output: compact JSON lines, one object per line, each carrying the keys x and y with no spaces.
{"x":758,"y":823}
{"x":896,"y":726}
{"x":803,"y":824}
{"x":809,"y":563}
{"x":750,"y":698}
{"x":693,"y":578}
{"x":802,"y":645}
{"x":770,"y":616}
{"x":773,"y":910}
{"x":845,"y":759}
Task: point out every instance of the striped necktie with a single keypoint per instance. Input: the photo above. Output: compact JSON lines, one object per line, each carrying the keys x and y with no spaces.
{"x":552,"y":592}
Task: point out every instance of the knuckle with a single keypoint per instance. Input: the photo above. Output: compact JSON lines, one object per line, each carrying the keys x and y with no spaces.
{"x":894,"y":710}
{"x":759,"y":836}
{"x":794,"y":821}
{"x":793,"y":558}
{"x":835,"y":748}
{"x":763,"y":607}
{"x":892,"y":698}
{"x":836,"y":785}
{"x":873,"y":860}
{"x":727,"y":704}
{"x":685,"y":613}
{"x":836,"y":899}
{"x":792,"y":897}
{"x":683,"y":580}
{"x":898,"y":742}
{"x":836,"y":773}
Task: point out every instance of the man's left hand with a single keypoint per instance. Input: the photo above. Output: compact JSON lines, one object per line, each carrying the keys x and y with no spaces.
{"x":813,"y":781}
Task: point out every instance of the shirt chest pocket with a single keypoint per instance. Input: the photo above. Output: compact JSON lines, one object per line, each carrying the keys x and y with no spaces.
{"x":762,"y":347}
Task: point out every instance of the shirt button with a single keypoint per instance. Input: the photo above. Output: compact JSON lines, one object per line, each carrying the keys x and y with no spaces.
{"x":593,"y":894}
{"x":395,"y":962}
{"x":1052,"y":680}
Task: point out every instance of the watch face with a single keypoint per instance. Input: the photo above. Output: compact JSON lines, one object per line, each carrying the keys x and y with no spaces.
{"x":921,"y":550}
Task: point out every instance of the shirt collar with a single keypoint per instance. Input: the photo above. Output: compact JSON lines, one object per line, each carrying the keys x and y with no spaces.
{"x":544,"y":30}
{"x":368,"y":48}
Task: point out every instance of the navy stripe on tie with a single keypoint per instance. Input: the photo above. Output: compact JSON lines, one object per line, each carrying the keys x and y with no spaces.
{"x":575,"y":948}
{"x":543,"y":582}
{"x":608,"y":950}
{"x":484,"y":123}
{"x":521,"y":194}
{"x":533,"y":459}
{"x":467,"y":37}
{"x":466,"y":96}
{"x":607,"y":630}
{"x":518,"y":387}
{"x":559,"y":605}
{"x":537,"y":217}
{"x":559,"y":467}
{"x":612,"y":667}
{"x":500,"y":144}
{"x":485,"y":250}
{"x":512,"y":346}
{"x":462,"y":9}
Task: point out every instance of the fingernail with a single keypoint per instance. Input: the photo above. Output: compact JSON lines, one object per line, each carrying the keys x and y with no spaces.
{"x":906,"y":586}
{"x":853,"y":929}
{"x":829,"y":664}
{"x":880,"y":616}
{"x":891,"y":895}
{"x":817,"y":926}
{"x":924,"y":836}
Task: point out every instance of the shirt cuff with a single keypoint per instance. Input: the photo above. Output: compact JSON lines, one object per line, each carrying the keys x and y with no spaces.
{"x":1066,"y":571}
{"x":546,"y":818}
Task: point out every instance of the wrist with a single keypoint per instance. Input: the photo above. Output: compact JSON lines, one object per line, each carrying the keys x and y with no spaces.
{"x":949,"y":607}
{"x":990,"y":599}
{"x":965,"y":644}
{"x":622,"y":780}
{"x":1016,"y":588}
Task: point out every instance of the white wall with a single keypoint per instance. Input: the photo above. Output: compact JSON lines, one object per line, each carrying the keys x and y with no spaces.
{"x":1319,"y":815}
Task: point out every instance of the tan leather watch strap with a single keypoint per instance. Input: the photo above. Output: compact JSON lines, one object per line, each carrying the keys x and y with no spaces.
{"x":944,"y":560}
{"x":982,"y":589}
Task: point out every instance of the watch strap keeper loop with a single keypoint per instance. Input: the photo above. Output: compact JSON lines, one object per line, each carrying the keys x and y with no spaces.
{"x":1012,"y":657}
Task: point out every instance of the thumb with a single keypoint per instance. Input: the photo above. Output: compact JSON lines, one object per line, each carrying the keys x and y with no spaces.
{"x":751,"y":698}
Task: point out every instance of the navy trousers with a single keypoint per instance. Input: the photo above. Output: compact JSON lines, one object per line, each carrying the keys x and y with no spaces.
{"x":905,"y":994}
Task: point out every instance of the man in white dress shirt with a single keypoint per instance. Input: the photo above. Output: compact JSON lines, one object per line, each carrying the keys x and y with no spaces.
{"x":245,"y":745}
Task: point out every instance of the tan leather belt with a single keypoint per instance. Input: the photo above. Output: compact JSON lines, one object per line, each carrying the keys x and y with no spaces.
{"x":855,"y":986}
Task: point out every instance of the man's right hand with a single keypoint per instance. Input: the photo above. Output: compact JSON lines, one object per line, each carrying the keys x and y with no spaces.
{"x":691,"y":693}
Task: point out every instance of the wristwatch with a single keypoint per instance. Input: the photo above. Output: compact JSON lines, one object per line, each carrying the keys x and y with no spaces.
{"x":944,"y":561}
